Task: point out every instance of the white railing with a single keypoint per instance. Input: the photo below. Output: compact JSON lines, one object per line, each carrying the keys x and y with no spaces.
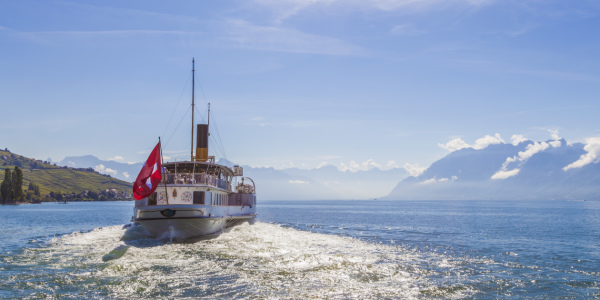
{"x":187,"y":178}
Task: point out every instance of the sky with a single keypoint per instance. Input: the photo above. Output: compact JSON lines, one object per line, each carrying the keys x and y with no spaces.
{"x":296,"y":83}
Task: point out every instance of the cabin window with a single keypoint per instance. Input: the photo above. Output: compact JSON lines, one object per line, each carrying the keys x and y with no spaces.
{"x":198,"y":197}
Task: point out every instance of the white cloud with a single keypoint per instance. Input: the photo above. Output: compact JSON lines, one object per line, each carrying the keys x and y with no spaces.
{"x":554,"y":134}
{"x":126,"y":174}
{"x":287,"y":165}
{"x":392,"y":164}
{"x":521,"y":157}
{"x":229,"y":34}
{"x":355,"y":167}
{"x":487,"y":140}
{"x":116,"y":158}
{"x":323,"y":164}
{"x":505,"y":174}
{"x":420,"y":5}
{"x":405,"y":29}
{"x":288,"y":8}
{"x":434,"y":180}
{"x":298,"y":182}
{"x":245,"y":35}
{"x":482,"y":143}
{"x":592,"y":156}
{"x":104,"y":170}
{"x":414,"y":170}
{"x":532,"y":149}
{"x":455,"y":144}
{"x":517,"y":139}
{"x":555,"y":144}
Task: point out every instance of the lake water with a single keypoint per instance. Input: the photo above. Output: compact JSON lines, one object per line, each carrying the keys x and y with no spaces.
{"x":311,"y":249}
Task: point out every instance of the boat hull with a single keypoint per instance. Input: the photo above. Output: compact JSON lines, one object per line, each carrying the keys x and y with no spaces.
{"x":189,"y":221}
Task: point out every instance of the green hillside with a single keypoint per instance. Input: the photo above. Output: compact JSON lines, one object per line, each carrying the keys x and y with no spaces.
{"x":70,"y":182}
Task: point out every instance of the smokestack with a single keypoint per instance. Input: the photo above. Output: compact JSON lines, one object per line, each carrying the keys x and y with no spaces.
{"x":202,"y":142}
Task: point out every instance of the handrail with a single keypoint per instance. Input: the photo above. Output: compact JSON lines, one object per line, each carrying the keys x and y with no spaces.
{"x":189,"y":178}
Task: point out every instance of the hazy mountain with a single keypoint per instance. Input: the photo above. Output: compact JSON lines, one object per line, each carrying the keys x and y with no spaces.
{"x":372,"y":183}
{"x":50,"y":178}
{"x":123,"y":171}
{"x":321,"y":184}
{"x":537,"y":174}
{"x":271,"y":184}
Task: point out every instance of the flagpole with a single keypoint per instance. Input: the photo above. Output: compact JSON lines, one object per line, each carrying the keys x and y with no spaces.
{"x":161,"y":170}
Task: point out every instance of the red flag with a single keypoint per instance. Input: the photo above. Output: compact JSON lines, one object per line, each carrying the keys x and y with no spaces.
{"x":150,"y":176}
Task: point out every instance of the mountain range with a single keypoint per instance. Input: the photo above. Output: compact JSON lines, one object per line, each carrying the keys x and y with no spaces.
{"x":274,"y":184}
{"x":52,"y":178}
{"x":526,"y":171}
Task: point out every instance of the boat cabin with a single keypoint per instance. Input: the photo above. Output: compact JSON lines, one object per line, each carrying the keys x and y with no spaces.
{"x":197,"y":173}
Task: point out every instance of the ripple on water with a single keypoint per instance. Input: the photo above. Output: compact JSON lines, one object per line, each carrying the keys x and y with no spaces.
{"x":263,"y":260}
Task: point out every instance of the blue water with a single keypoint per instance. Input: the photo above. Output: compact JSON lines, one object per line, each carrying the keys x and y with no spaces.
{"x":311,"y":249}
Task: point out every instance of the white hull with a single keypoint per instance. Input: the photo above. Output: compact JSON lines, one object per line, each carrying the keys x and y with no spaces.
{"x":188,"y":221}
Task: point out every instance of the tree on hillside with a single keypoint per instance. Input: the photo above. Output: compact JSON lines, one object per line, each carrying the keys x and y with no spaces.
{"x":34,"y":188}
{"x":6,"y":187}
{"x":93,"y":195}
{"x":17,"y":181}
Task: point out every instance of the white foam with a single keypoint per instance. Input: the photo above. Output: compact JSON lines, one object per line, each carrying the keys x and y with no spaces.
{"x":262,"y":260}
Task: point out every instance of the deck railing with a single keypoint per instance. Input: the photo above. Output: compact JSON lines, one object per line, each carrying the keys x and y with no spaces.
{"x":186,"y":178}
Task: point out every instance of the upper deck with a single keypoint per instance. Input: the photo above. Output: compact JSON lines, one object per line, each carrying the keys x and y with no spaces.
{"x":197,"y":173}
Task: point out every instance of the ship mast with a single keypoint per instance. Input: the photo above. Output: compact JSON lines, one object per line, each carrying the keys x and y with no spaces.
{"x":193,"y":84}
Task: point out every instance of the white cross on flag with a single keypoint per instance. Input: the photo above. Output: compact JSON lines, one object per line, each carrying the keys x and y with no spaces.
{"x":150,"y":176}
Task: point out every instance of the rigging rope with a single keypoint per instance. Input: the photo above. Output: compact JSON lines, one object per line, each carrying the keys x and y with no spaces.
{"x":174,"y":130}
{"x":217,"y":143}
{"x":220,"y":144}
{"x":202,"y":91}
{"x":176,"y":105}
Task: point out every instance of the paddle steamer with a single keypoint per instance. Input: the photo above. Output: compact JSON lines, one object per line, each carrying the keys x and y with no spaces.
{"x":198,"y":197}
